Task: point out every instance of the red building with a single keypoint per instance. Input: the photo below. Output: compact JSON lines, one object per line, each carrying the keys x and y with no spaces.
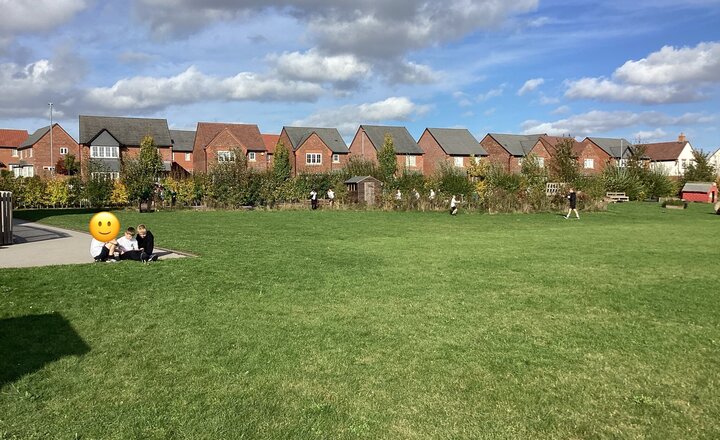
{"x":705,"y":192}
{"x":10,"y":141}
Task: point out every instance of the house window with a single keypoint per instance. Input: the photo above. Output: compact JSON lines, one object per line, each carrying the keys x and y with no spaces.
{"x":251,"y":156}
{"x":336,"y":158}
{"x":49,"y":168}
{"x":476,"y":159}
{"x":459,"y":162}
{"x":30,"y":152}
{"x":226,"y":156}
{"x":589,"y":164}
{"x":541,"y":162}
{"x":410,"y":161}
{"x":112,"y":175}
{"x":99,"y":151}
{"x":187,"y":157}
{"x":313,"y":159}
{"x":622,"y":163}
{"x":14,"y":152}
{"x":63,"y":151}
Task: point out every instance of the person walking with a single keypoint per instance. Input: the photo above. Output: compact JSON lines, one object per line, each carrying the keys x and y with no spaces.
{"x":331,"y":197}
{"x":313,"y":199}
{"x":454,"y":205}
{"x":572,"y":201}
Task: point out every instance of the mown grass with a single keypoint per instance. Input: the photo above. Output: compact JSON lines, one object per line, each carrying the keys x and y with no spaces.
{"x":374,"y":325}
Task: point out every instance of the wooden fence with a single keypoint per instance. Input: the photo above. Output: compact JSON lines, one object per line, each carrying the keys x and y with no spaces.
{"x":6,"y":234}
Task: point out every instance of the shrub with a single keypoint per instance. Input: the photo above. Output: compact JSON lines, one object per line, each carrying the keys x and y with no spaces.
{"x":674,"y":202}
{"x":57,"y":192}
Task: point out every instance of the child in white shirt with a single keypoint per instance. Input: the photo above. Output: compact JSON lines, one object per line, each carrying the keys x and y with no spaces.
{"x":128,"y":246}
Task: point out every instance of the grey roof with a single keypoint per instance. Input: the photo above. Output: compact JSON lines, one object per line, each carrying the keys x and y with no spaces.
{"x":33,"y":138}
{"x":358,"y":179}
{"x":183,"y":140}
{"x":331,"y":137}
{"x":702,"y":187}
{"x":402,"y":141}
{"x":517,"y":144}
{"x":127,"y":131}
{"x":457,"y":142}
{"x":613,"y":146}
{"x":107,"y":165}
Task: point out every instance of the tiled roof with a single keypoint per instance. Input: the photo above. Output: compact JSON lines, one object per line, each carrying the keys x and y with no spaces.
{"x":12,"y":138}
{"x":518,"y":145}
{"x":613,"y":146}
{"x":664,"y":151}
{"x":182,"y":140}
{"x":551,"y":143}
{"x":127,"y":131}
{"x":702,"y":187}
{"x":248,"y":135}
{"x":457,"y":142}
{"x":402,"y":141}
{"x":330,"y":136}
{"x":270,"y":141}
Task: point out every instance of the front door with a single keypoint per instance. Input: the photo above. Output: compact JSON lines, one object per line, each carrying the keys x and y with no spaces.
{"x":370,"y":193}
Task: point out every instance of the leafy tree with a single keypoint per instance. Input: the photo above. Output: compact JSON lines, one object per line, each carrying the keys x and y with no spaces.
{"x":386,"y":160}
{"x":141,"y":174}
{"x":359,"y":166}
{"x":700,"y":169}
{"x":98,"y":186}
{"x":563,"y":164}
{"x":119,"y":195}
{"x":281,"y":169}
{"x":57,"y":191}
{"x":67,"y":165}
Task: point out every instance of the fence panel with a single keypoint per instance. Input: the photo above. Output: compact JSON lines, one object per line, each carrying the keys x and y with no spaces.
{"x":6,"y":211}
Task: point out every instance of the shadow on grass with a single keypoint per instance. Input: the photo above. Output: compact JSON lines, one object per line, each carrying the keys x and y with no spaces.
{"x":28,"y":343}
{"x":34,"y":215}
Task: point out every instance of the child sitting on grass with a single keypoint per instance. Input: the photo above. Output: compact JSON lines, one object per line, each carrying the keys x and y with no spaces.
{"x":146,"y":243}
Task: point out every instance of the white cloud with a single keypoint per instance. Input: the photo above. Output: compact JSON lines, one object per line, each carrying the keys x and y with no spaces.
{"x":596,"y":122}
{"x":674,"y":65}
{"x":562,"y":110}
{"x":530,"y":85}
{"x":649,"y":136}
{"x":668,"y":76}
{"x":347,"y":118}
{"x":37,"y":15}
{"x":407,"y":72}
{"x":315,"y":67}
{"x":492,"y":93}
{"x":142,"y":93}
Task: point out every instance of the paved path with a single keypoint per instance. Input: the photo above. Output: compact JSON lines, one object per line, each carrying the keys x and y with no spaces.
{"x":41,"y":245}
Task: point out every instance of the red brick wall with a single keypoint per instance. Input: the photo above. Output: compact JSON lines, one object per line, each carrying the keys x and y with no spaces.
{"x":591,"y":151}
{"x":178,"y":157}
{"x":496,"y":153}
{"x":362,"y":147}
{"x":314,"y":144}
{"x":418,"y":168}
{"x":434,"y":154}
{"x":538,"y":150}
{"x":6,"y":157}
{"x":41,"y":150}
{"x":225,"y":141}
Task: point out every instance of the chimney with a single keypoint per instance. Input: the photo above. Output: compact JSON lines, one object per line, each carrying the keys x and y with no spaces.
{"x":682,"y":138}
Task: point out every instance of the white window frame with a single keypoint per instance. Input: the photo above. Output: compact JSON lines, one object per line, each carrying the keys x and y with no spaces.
{"x":49,"y":168}
{"x":104,"y":152}
{"x":187,"y":157}
{"x":225,"y":156}
{"x":252,"y":156}
{"x":30,"y":152}
{"x":64,"y":151}
{"x":313,"y":159}
{"x":14,"y":152}
{"x":459,"y":161}
{"x":410,"y":161}
{"x":335,"y":158}
{"x":589,"y":164}
{"x":541,"y":162}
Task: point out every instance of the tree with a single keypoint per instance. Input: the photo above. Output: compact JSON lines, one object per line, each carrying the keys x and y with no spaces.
{"x":281,"y":169}
{"x":67,"y":165}
{"x":141,"y":174}
{"x":387,"y":160}
{"x":700,"y":169}
{"x":563,"y":165}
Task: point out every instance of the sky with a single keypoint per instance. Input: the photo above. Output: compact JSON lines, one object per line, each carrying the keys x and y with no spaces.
{"x":645,"y":70}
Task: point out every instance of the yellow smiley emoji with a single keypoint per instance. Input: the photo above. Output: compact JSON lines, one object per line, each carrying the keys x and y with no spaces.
{"x":104,"y":226}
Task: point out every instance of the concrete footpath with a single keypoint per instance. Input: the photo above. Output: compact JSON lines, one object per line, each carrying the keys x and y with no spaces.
{"x":36,"y":245}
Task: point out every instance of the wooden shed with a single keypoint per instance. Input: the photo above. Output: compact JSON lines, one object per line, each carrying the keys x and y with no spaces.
{"x":700,"y":192}
{"x":363,"y":189}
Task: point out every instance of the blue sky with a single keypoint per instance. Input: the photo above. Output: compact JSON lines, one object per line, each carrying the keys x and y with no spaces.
{"x":643,"y":70}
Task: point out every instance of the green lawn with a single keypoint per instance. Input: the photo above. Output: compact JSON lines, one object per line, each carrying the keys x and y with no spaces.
{"x":335,"y":325}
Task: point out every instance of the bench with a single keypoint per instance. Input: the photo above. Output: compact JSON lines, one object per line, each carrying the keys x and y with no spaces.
{"x":616,"y":197}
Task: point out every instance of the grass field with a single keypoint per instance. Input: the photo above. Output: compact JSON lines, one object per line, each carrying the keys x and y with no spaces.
{"x":334,"y":325}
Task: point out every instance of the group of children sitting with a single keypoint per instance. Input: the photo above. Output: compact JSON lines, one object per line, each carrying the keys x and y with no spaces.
{"x":128,"y":247}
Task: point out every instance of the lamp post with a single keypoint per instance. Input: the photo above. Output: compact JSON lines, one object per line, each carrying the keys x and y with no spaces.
{"x":52,"y":166}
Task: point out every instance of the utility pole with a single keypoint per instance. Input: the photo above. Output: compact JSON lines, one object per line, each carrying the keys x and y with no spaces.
{"x":52,"y":165}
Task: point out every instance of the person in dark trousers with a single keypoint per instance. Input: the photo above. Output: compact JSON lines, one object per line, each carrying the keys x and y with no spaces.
{"x":572,"y":200}
{"x":146,"y":244}
{"x":313,"y":199}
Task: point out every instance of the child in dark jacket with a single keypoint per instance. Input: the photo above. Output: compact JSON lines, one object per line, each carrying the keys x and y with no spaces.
{"x":146,"y":243}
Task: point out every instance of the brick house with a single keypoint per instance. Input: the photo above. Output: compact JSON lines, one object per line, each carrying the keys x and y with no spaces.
{"x":107,"y":140}
{"x":218,"y":142}
{"x":182,"y":150}
{"x":270,"y":141}
{"x":455,"y":146}
{"x":369,"y":139}
{"x":36,"y":156}
{"x":314,"y":150}
{"x":586,"y":155}
{"x":10,"y":141}
{"x":670,"y":157}
{"x":604,"y":151}
{"x":509,"y":150}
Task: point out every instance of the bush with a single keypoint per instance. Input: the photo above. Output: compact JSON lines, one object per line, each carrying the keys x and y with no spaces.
{"x":674,"y":202}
